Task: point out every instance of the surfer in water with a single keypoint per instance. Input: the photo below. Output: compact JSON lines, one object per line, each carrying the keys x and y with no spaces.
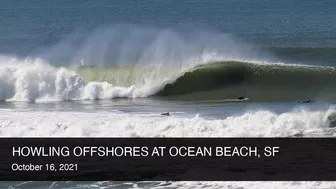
{"x":81,"y":62}
{"x":306,"y":101}
{"x":242,"y":98}
{"x":166,"y":114}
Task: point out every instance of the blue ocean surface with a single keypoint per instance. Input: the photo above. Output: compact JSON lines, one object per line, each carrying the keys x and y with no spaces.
{"x":233,"y":68}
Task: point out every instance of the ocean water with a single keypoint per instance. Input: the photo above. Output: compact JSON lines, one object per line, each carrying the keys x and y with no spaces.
{"x":110,"y":68}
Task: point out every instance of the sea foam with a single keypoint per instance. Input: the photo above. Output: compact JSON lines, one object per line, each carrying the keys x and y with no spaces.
{"x":35,"y":80}
{"x":259,"y":123}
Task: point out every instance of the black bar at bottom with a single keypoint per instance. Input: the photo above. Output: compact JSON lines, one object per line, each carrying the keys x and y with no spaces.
{"x":174,"y":159}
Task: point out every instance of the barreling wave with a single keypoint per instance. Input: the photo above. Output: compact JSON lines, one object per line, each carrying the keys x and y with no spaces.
{"x":223,"y":80}
{"x":262,"y":82}
{"x":34,"y":80}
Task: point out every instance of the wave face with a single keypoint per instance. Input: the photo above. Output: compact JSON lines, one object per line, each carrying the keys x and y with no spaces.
{"x":122,"y":61}
{"x":35,"y":80}
{"x":229,"y":79}
{"x":132,"y":62}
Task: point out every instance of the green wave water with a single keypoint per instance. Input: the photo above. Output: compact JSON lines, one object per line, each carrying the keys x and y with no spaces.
{"x":229,"y":80}
{"x":261,"y":82}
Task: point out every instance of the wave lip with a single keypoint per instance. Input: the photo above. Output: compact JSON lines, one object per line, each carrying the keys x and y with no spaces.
{"x":35,"y":80}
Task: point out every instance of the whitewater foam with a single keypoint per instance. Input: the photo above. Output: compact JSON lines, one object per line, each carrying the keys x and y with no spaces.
{"x":262,"y":123}
{"x":217,"y":185}
{"x":35,"y":80}
{"x":159,"y":57}
{"x":170,"y":185}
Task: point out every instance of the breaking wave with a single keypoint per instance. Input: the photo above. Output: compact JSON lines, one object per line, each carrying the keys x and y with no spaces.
{"x":260,"y":123}
{"x":134,"y":62}
{"x":261,"y":82}
{"x":35,"y":80}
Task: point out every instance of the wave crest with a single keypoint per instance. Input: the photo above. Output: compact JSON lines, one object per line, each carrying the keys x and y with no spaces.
{"x":35,"y":80}
{"x":262,"y":82}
